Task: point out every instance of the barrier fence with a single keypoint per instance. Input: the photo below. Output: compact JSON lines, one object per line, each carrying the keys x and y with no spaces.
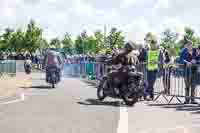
{"x":171,"y":79}
{"x":8,"y":67}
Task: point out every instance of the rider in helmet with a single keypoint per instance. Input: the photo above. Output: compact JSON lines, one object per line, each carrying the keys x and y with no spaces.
{"x":125,"y":67}
{"x":53,"y":59}
{"x":123,"y":56}
{"x":27,"y":60}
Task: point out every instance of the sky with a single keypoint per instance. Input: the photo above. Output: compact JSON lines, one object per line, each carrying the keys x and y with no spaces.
{"x":134,"y":17}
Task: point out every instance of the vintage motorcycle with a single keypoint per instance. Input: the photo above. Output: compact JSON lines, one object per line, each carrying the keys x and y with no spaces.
{"x":127,"y":85}
{"x":52,"y":76}
{"x":28,"y":66}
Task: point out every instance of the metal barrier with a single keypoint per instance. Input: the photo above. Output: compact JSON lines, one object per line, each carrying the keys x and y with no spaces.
{"x":174,"y":81}
{"x":90,"y":70}
{"x":8,"y":67}
{"x":170,"y":80}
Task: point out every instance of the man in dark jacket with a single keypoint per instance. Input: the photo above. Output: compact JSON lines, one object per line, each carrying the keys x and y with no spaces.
{"x":166,"y":71}
{"x":124,"y":61}
{"x":53,"y":59}
{"x":188,"y":59}
{"x":142,"y":57}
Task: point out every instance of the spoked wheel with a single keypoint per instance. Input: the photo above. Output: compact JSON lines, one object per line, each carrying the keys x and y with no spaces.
{"x":130,"y":98}
{"x":100,"y":90}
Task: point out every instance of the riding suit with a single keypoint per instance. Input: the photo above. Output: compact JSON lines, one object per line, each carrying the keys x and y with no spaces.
{"x":119,"y":78}
{"x":53,"y":60}
{"x":27,"y":61}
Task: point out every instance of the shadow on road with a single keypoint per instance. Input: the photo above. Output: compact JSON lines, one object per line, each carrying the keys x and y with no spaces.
{"x":101,"y":103}
{"x":40,"y":87}
{"x":194,"y":109}
{"x":92,"y":83}
{"x":39,"y":79}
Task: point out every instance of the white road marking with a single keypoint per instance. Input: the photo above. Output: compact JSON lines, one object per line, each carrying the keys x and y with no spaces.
{"x":177,"y":129}
{"x":13,"y":101}
{"x":123,"y":121}
{"x":4,"y":97}
{"x":22,"y":98}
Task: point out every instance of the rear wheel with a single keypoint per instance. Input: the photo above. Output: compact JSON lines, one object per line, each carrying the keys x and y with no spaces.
{"x":53,"y":80}
{"x":53,"y":85}
{"x":100,"y":90}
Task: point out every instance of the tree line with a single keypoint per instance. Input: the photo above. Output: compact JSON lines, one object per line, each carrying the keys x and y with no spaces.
{"x":31,"y":40}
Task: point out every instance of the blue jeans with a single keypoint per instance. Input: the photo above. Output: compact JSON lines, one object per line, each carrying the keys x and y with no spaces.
{"x":151,"y":78}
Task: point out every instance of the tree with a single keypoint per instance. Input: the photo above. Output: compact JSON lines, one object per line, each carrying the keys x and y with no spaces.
{"x":6,"y":39}
{"x":91,"y":45}
{"x":68,"y":44}
{"x":99,"y":41}
{"x":33,"y":35}
{"x":81,"y":43}
{"x":196,"y":41}
{"x":115,"y":38}
{"x":43,"y":45}
{"x":168,"y":38}
{"x":56,"y":42}
{"x":17,"y":41}
{"x":168,"y":41}
{"x":188,"y":35}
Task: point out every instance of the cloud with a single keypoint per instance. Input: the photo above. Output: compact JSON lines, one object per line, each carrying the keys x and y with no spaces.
{"x":134,"y":17}
{"x":162,"y":4}
{"x":82,"y":9}
{"x":127,"y":3}
{"x":136,"y":29}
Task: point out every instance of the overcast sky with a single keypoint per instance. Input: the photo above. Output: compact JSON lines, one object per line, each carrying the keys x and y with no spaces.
{"x":134,"y":17}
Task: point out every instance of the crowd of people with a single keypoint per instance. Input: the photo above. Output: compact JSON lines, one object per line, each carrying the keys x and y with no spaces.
{"x":148,"y":59}
{"x":154,"y":59}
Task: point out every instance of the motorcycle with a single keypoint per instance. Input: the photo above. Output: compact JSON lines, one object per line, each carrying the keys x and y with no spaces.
{"x":53,"y":76}
{"x":28,"y":66}
{"x":127,"y":85}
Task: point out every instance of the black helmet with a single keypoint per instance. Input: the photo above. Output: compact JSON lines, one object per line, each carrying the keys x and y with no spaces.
{"x":129,"y":46}
{"x":52,"y":47}
{"x":28,"y":56}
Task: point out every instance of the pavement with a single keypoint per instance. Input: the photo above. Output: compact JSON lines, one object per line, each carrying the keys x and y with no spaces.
{"x":73,"y":108}
{"x":11,"y":84}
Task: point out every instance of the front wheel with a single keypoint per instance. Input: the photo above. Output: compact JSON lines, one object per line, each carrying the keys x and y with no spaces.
{"x":53,"y":85}
{"x":100,"y":90}
{"x":53,"y":80}
{"x":130,"y":98}
{"x":130,"y":101}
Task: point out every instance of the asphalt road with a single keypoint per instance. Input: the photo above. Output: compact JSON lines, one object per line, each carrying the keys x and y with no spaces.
{"x":72,"y":108}
{"x":61,"y":110}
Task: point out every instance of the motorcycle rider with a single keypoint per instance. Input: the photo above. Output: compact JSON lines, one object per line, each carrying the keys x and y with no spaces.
{"x":53,"y":60}
{"x":27,"y":61}
{"x":126,"y":59}
{"x":125,"y":56}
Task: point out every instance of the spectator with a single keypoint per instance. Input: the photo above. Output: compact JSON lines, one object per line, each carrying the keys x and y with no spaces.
{"x":142,"y":58}
{"x":152,"y":68}
{"x":1,"y":56}
{"x":198,"y":56}
{"x":166,"y":71}
{"x":198,"y":66}
{"x":188,"y":59}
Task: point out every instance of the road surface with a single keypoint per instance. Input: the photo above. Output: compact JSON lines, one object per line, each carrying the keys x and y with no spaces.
{"x":72,"y":108}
